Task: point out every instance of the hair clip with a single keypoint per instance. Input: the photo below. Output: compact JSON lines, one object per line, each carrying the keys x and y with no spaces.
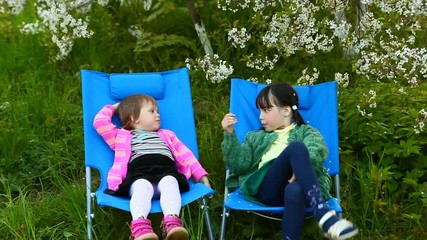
{"x":294,"y":107}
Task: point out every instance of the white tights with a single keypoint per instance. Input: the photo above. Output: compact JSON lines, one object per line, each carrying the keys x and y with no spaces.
{"x":142,"y":192}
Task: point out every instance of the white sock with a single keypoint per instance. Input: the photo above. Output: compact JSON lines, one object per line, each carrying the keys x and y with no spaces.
{"x":141,"y":193}
{"x":170,"y":197}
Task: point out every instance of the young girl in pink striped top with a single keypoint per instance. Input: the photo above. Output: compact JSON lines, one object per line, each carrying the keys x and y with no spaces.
{"x":148,"y":163}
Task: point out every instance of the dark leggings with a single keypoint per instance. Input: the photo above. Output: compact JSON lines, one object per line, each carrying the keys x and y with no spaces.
{"x":275,"y":189}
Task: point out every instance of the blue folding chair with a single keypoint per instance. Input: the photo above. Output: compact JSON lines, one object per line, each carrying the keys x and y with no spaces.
{"x":171,"y":89}
{"x":319,"y":108}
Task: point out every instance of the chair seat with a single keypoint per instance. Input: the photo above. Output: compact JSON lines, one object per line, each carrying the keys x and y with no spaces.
{"x":236,"y":201}
{"x":196,"y":190}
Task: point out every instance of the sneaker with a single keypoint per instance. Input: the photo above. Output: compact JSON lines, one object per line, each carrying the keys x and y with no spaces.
{"x":172,"y":229}
{"x":141,"y":230}
{"x":339,"y":229}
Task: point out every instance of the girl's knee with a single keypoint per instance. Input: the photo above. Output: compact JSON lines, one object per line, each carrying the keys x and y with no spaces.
{"x":168,"y":180}
{"x":141,"y":185}
{"x":297,"y":146}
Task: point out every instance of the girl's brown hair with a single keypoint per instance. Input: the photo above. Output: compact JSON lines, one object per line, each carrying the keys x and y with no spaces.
{"x":130,"y":108}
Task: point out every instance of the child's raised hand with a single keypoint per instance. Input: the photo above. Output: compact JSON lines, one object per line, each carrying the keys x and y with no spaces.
{"x":228,"y":122}
{"x":293,"y":178}
{"x":116,"y":105}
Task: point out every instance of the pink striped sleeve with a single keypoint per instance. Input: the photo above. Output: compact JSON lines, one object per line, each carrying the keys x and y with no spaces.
{"x":103,"y":125}
{"x":187,"y":158}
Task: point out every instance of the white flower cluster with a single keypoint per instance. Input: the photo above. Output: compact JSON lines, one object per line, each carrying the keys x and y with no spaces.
{"x":147,"y":4}
{"x":81,"y":6}
{"x":297,"y":30}
{"x":57,"y":21}
{"x":384,"y":54}
{"x":13,"y":7}
{"x":335,"y":6}
{"x":215,"y":69}
{"x":238,"y":38}
{"x":261,"y":64}
{"x":307,"y":79}
{"x":136,"y":32}
{"x":102,"y":2}
{"x":256,"y":80}
{"x":253,"y":79}
{"x":362,"y":111}
{"x":421,"y":122}
{"x":371,"y":96}
{"x":342,"y":79}
{"x":234,"y":6}
{"x":396,"y":63}
{"x":341,"y":30}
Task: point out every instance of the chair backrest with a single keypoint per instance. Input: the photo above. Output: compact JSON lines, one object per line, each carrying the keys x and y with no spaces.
{"x":317,"y":104}
{"x":172,"y":91}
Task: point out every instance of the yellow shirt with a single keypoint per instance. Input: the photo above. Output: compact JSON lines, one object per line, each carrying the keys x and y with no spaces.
{"x":278,"y":145}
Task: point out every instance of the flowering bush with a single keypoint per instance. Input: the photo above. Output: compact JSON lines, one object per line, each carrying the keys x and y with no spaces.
{"x":54,"y":18}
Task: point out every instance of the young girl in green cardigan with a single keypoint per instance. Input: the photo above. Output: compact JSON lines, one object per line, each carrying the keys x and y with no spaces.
{"x":282,"y":164}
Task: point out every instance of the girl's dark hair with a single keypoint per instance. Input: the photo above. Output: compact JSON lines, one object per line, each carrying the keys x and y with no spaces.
{"x":281,"y":95}
{"x":130,"y":108}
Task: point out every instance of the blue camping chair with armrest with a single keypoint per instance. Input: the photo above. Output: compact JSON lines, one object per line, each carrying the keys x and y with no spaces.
{"x":319,"y":108}
{"x":171,"y":89}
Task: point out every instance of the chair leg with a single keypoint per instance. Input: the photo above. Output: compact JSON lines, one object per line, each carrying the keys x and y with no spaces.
{"x":207,"y":218}
{"x":337,"y":190}
{"x":89,"y":214}
{"x":225,"y":213}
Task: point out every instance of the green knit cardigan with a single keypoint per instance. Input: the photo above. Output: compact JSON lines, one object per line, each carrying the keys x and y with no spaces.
{"x":243,"y":159}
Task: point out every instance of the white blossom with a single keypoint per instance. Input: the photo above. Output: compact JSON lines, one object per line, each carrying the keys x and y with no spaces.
{"x":307,"y":79}
{"x":55,"y":19}
{"x":136,"y":32}
{"x":14,"y":7}
{"x":238,"y":38}
{"x":342,"y":79}
{"x":216,"y":70}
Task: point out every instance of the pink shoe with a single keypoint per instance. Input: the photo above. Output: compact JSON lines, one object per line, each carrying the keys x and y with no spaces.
{"x":141,"y":230}
{"x":172,"y":229}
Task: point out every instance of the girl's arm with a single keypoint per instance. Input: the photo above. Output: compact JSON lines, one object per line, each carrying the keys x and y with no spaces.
{"x":103,"y":125}
{"x":238,"y":157}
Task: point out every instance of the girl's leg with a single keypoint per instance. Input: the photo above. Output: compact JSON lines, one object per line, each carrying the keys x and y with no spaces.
{"x":275,"y":190}
{"x":170,"y":197}
{"x":141,"y":193}
{"x":170,"y":201}
{"x":294,"y":214}
{"x":295,"y":158}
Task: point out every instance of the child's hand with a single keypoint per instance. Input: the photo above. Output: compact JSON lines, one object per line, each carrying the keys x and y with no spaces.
{"x":205,"y":181}
{"x":228,"y":122}
{"x":116,"y":105}
{"x":293,"y":178}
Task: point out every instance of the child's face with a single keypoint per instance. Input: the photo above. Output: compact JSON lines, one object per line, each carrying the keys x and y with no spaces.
{"x":149,"y":118}
{"x":273,"y":118}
